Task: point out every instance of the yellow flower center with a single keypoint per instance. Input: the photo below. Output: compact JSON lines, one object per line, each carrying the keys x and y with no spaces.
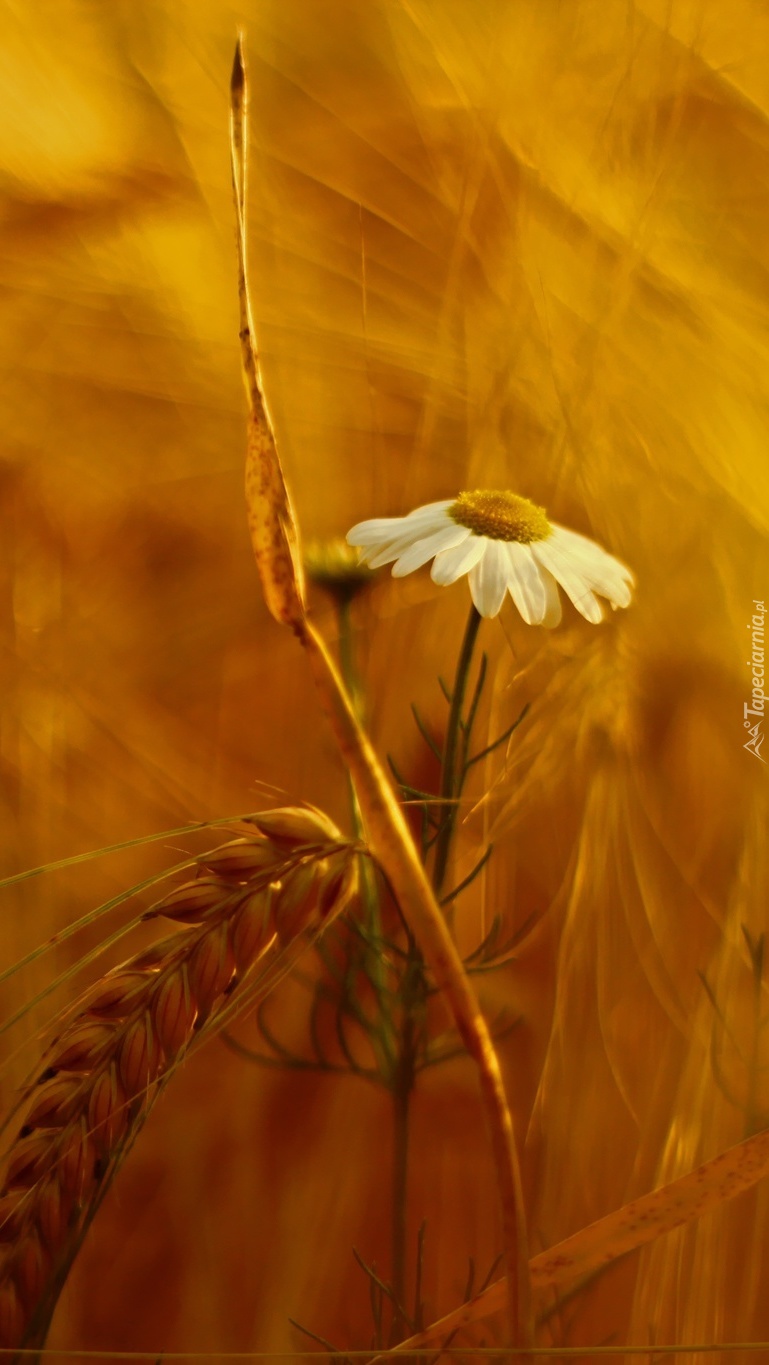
{"x":501,"y":516}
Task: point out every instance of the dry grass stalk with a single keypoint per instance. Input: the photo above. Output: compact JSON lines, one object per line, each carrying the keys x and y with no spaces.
{"x":391,"y":844}
{"x":618,"y":1233}
{"x":285,"y":876}
{"x":271,"y":520}
{"x":274,"y":537}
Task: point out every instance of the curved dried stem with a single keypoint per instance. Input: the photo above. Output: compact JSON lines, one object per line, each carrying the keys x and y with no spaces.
{"x":270,"y":515}
{"x":633,"y":1226}
{"x":390,"y":843}
{"x":273,"y":533}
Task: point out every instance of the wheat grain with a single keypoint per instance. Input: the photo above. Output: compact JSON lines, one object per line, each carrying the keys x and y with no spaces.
{"x":285,"y":875}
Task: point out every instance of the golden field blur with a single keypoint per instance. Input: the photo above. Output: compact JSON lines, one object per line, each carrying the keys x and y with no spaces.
{"x":497,"y":245}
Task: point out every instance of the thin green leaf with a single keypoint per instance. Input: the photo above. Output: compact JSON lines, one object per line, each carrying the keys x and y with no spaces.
{"x":476,"y":758}
{"x":384,"y":1289}
{"x":322,"y":1341}
{"x":467,"y":725}
{"x":425,"y":733}
{"x":486,"y":942}
{"x":418,"y":1273}
{"x":470,"y":878}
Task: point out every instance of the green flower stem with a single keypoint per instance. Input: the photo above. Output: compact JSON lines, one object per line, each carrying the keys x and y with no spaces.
{"x":391,"y":844}
{"x":368,"y":892}
{"x":389,"y":839}
{"x":450,"y":779}
{"x":398,"y":1046}
{"x":347,"y":665}
{"x":403,"y":1085}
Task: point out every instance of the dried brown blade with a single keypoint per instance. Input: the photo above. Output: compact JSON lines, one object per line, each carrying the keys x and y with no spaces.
{"x":633,"y":1226}
{"x":274,"y":537}
{"x":271,"y":519}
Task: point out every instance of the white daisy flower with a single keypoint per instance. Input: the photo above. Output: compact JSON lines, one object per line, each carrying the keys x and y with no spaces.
{"x":506,"y":544}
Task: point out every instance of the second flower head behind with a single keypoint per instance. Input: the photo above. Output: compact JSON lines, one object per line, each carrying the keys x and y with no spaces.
{"x":505,"y":544}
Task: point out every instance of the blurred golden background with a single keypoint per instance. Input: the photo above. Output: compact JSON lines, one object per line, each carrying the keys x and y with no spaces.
{"x":501,"y":244}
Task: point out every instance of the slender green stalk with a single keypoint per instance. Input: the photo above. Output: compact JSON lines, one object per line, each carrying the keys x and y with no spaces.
{"x":403,"y":1086}
{"x":347,"y":665}
{"x":390,"y":842}
{"x":368,"y":892}
{"x":275,"y":542}
{"x":399,"y":1052}
{"x":449,"y":775}
{"x":400,"y":1045}
{"x":349,"y":672}
{"x":754,"y":1120}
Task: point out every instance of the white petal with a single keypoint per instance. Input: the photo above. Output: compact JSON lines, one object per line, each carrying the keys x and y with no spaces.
{"x":596,"y":562}
{"x":387,"y":539}
{"x":576,"y":539}
{"x":418,"y":554}
{"x":570,"y":576}
{"x":601,"y":572}
{"x":383,"y":530}
{"x":377,"y":556}
{"x":451,"y":564}
{"x":553,"y":613}
{"x":617,"y":591}
{"x":432,"y":508}
{"x":525,"y":583}
{"x":488,"y":580}
{"x":378,"y":531}
{"x":385,"y":554}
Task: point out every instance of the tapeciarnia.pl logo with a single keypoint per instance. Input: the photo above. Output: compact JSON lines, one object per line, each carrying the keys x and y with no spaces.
{"x":753,"y":711}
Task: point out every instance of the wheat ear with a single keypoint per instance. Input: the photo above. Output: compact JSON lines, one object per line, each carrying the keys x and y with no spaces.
{"x":286,"y":875}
